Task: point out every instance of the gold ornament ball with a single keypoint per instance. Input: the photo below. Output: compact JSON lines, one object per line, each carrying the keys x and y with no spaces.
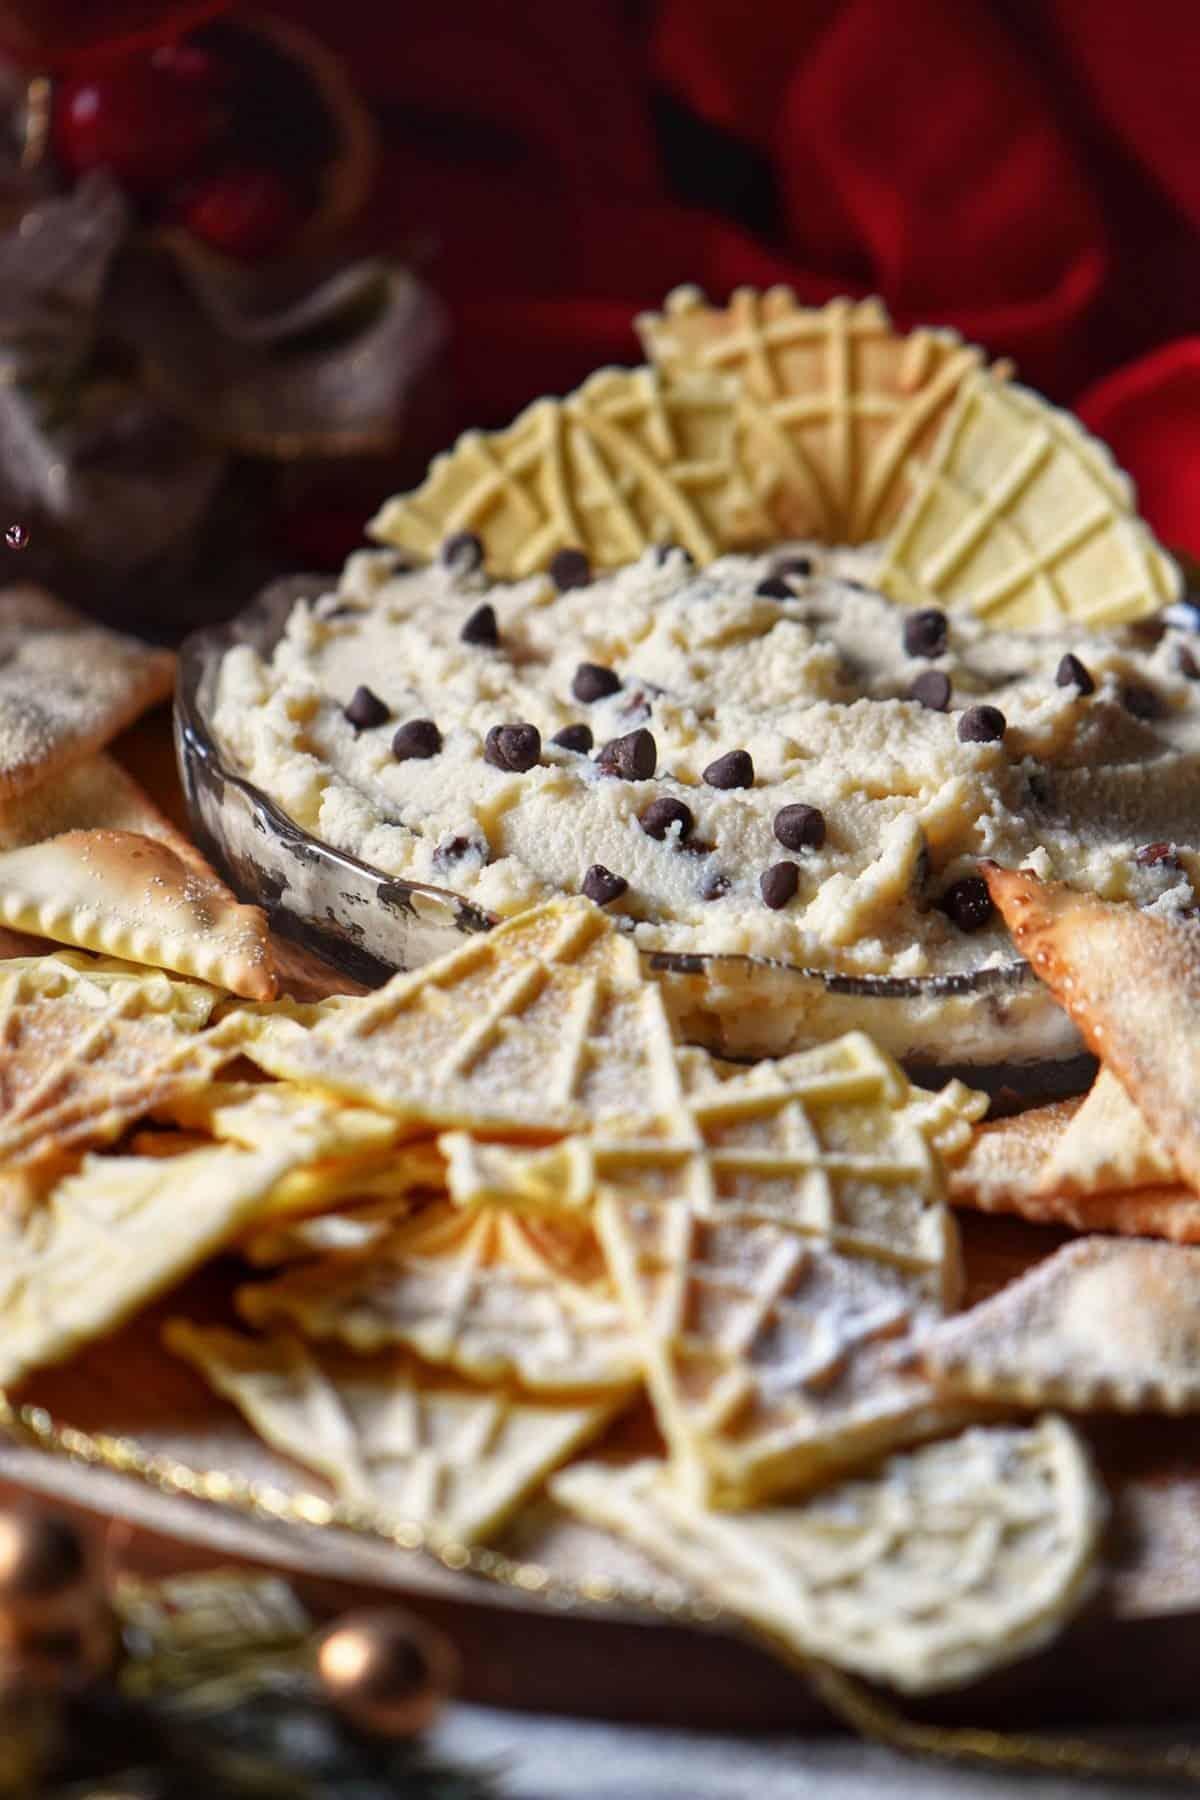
{"x":386,"y":1672}
{"x":43,"y":1560}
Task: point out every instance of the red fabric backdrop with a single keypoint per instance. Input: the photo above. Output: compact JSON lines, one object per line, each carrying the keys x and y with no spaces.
{"x":1027,"y":170}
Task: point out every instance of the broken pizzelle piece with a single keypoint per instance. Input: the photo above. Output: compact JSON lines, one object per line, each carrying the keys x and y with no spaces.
{"x":412,"y":1445}
{"x":1131,"y":981}
{"x":494,"y":1294}
{"x":1103,"y":1324}
{"x":949,"y":1561}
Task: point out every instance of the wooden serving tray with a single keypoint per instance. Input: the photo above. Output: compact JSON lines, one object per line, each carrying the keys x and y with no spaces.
{"x":1134,"y":1654}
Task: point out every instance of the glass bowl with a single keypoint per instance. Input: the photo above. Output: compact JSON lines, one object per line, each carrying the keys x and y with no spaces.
{"x":997,"y":1027}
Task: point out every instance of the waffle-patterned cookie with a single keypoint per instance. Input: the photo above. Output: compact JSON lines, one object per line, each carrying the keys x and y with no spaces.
{"x":539,"y":1026}
{"x":408,"y":1444}
{"x":632,"y":458}
{"x":1103,"y":1323}
{"x":778,"y":1263}
{"x":835,"y":403}
{"x":87,"y":1048}
{"x":494,"y":1294}
{"x":952,"y":1560}
{"x":1022,"y":517}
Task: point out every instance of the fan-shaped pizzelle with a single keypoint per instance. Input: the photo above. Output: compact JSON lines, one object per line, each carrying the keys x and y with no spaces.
{"x":837,"y":406}
{"x":493,"y":1294}
{"x":410,"y":1445}
{"x":632,"y":458}
{"x":952,"y":1560}
{"x":1023,"y":518}
{"x":87,"y":1048}
{"x":536,"y":1027}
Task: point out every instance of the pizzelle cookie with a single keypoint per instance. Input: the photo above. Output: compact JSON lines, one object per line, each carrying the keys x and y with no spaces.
{"x":952,"y":1560}
{"x":534,"y":1028}
{"x":835,"y":402}
{"x":67,"y":686}
{"x":408,"y":1444}
{"x":87,"y":1048}
{"x":630,"y":459}
{"x":488,"y":1292}
{"x":1021,"y":517}
{"x":102,"y":1242}
{"x":779,"y":1258}
{"x":1102,"y":1324}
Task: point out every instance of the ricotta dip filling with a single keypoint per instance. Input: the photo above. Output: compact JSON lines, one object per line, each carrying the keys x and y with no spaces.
{"x":762,"y":757}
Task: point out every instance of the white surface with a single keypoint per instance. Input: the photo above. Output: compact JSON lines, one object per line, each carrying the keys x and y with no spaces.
{"x":544,"y":1758}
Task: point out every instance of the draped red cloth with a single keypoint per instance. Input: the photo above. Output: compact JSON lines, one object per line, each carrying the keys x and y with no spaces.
{"x":1026,"y":170}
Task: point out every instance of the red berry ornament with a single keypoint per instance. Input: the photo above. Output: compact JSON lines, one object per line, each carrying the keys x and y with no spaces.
{"x":244,"y":212}
{"x":136,"y":120}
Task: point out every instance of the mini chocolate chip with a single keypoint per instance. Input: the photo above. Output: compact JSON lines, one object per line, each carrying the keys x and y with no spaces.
{"x":462,"y":552}
{"x":570,"y":569}
{"x":1037,"y":788}
{"x":925,"y":632}
{"x":778,"y":884}
{"x":366,"y":710}
{"x":800,"y":566}
{"x":513,"y":747}
{"x":660,"y":815}
{"x":481,"y":627}
{"x":1072,"y":673}
{"x":574,"y":737}
{"x":733,"y":770}
{"x":1141,"y":701}
{"x":1186,"y":663}
{"x":982,"y":725}
{"x":967,"y":903}
{"x":713,"y":885}
{"x":601,"y":885}
{"x":633,"y":757}
{"x":932,"y":689}
{"x":452,"y":850}
{"x":1150,"y":855}
{"x":592,"y":681}
{"x":774,"y":587}
{"x":800,"y":827}
{"x":418,"y":739}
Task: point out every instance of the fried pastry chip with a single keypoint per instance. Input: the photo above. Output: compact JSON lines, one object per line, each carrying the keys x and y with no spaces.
{"x":411,"y":1445}
{"x":1102,"y":1324}
{"x":137,"y":897}
{"x":836,"y":404}
{"x":86,"y":1049}
{"x":1106,"y":1148}
{"x":491,"y":1293}
{"x":534,"y":1028}
{"x":951,"y":1560}
{"x":1000,"y":1170}
{"x":1131,"y":982}
{"x":1021,"y":517}
{"x":630,"y":459}
{"x":67,"y":686}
